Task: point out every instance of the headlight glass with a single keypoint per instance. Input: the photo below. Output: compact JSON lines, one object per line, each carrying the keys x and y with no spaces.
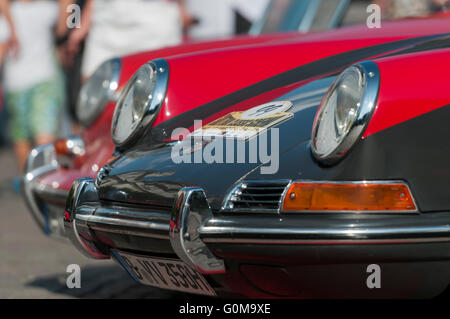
{"x":98,"y":90}
{"x":139,"y":102}
{"x":345,"y":111}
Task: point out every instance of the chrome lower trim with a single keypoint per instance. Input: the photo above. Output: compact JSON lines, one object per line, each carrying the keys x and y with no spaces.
{"x":135,"y":232}
{"x":229,"y":230}
{"x":140,"y":228}
{"x":256,"y":241}
{"x":124,"y":223}
{"x":41,"y":161}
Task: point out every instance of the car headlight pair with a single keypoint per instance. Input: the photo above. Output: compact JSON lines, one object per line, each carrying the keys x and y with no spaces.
{"x":140,"y":101}
{"x":345,"y":111}
{"x":98,"y":90}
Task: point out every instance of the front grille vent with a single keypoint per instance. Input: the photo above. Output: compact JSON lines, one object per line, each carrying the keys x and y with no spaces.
{"x":256,"y":196}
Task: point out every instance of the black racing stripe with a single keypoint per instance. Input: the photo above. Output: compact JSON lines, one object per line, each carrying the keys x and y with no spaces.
{"x":435,"y":44}
{"x":327,"y":65}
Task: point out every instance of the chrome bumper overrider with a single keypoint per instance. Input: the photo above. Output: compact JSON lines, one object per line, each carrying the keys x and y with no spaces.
{"x":192,"y":226}
{"x":41,"y":161}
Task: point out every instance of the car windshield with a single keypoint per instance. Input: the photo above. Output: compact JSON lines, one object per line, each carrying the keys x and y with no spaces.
{"x":315,"y":15}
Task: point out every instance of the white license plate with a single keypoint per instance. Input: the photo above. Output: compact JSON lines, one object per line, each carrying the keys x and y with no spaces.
{"x":164,"y":273}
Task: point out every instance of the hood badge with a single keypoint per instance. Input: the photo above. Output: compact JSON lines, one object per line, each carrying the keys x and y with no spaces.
{"x":246,"y":124}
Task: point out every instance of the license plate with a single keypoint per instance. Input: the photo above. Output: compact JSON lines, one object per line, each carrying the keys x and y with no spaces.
{"x":164,"y":273}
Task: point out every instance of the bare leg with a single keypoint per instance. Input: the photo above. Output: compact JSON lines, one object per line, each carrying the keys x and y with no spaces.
{"x":22,"y":149}
{"x":3,"y":49}
{"x":77,"y":129}
{"x":44,"y":139}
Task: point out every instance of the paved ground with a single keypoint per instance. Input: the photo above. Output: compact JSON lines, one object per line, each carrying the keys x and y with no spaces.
{"x":34,"y":266}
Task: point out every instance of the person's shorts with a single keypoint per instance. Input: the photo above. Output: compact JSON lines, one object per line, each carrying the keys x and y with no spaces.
{"x":36,"y":111}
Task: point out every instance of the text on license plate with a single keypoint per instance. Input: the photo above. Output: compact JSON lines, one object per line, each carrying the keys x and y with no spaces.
{"x":164,"y":273}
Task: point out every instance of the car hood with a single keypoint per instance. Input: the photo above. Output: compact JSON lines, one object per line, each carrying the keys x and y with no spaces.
{"x":196,"y":68}
{"x":130,"y":63}
{"x":148,"y":174}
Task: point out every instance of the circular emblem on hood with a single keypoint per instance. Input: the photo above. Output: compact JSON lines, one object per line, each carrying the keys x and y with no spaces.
{"x":266,"y":110}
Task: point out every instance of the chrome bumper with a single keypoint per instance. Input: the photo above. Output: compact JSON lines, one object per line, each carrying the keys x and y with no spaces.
{"x":42,"y":161}
{"x":192,"y":227}
{"x":83,"y":216}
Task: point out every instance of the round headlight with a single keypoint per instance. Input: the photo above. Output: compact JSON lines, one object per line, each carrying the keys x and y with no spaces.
{"x":140,"y":101}
{"x":98,"y":90}
{"x":345,"y":111}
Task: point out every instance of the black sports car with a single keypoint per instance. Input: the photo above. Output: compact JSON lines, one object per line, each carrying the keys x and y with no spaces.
{"x":327,"y":179}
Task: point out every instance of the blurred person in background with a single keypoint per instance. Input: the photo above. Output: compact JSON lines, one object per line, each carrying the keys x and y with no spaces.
{"x":71,"y":64}
{"x":7,"y":40}
{"x":32,"y":78}
{"x":397,"y":9}
{"x":222,"y":18}
{"x":8,"y":37}
{"x":441,"y":5}
{"x":119,"y":27}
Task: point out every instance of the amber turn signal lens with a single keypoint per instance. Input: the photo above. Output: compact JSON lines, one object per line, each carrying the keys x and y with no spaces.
{"x":61,"y":147}
{"x":350,"y":196}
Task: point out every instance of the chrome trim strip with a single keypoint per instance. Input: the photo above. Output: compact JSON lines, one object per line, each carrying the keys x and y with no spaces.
{"x":155,"y":225}
{"x":259,"y":235}
{"x":122,"y":222}
{"x":34,"y":170}
{"x":283,"y":196}
{"x":137,"y":232}
{"x":324,"y":242}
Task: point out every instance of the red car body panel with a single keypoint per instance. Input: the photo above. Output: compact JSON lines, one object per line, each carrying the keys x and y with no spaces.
{"x":401,"y":100}
{"x":240,"y":67}
{"x":131,"y":63}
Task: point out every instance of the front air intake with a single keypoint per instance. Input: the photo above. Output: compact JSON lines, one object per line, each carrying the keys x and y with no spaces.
{"x":256,"y":196}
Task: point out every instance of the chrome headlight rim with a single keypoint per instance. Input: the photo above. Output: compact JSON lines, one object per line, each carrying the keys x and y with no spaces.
{"x":152,"y":106}
{"x":111,"y":93}
{"x":368,"y":102}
